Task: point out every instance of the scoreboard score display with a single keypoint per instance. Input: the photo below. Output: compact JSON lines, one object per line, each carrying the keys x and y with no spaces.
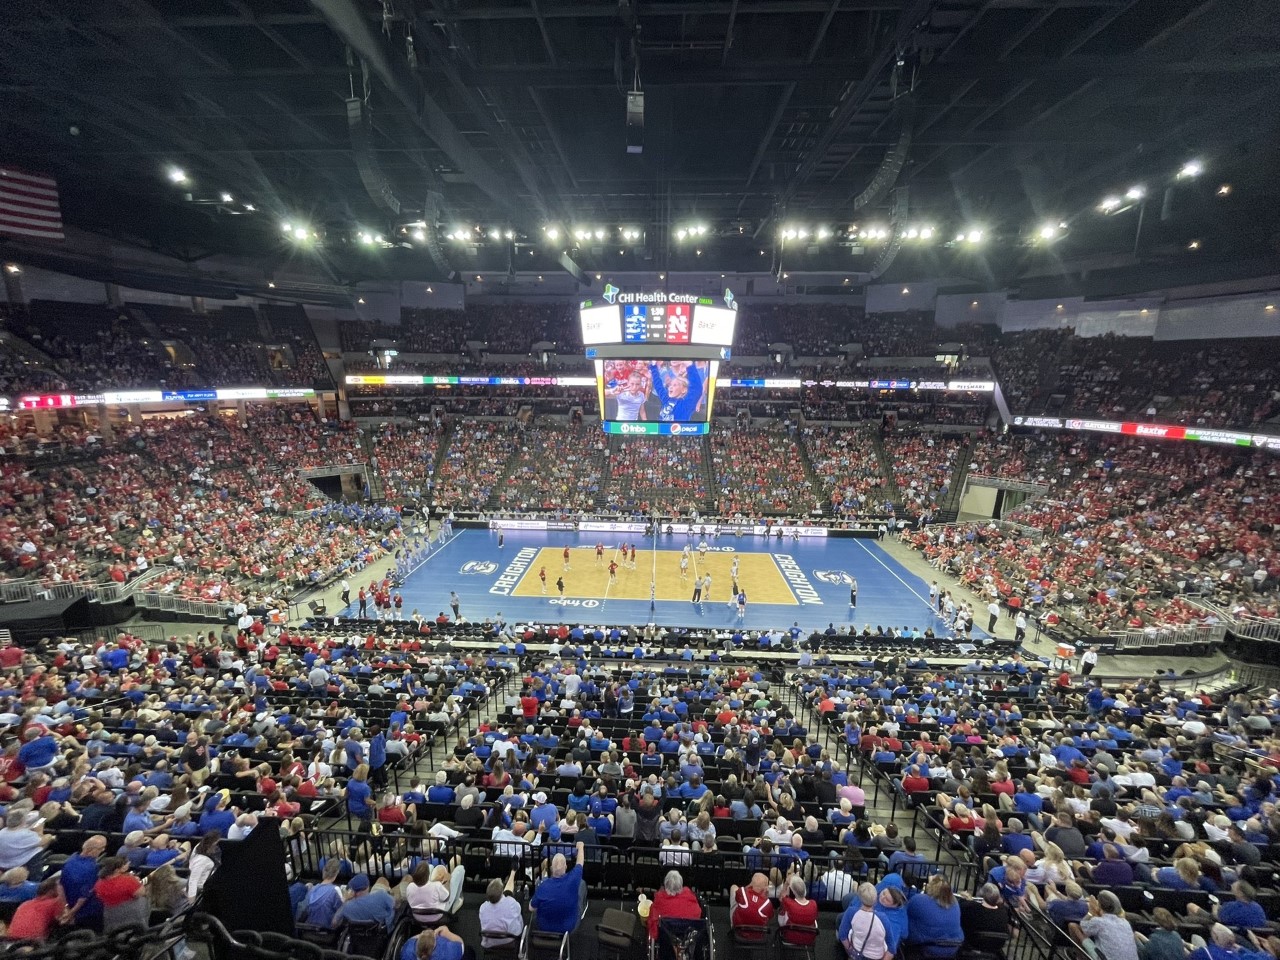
{"x":670,"y":344}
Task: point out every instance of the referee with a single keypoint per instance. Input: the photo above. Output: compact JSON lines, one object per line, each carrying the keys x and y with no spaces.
{"x":697,"y":592}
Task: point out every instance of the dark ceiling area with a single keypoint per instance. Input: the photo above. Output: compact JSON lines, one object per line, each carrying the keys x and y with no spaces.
{"x":970,"y":138}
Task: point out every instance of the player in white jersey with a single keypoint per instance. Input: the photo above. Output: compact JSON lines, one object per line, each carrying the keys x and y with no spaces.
{"x":706,"y":587}
{"x":733,"y":568}
{"x":702,"y":549}
{"x":684,"y":566}
{"x":686,"y":549}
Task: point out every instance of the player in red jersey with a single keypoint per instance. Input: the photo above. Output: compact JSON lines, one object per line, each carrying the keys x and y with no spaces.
{"x":542,"y":575}
{"x":566,"y":558}
{"x":599,"y":554}
{"x":613,"y":571}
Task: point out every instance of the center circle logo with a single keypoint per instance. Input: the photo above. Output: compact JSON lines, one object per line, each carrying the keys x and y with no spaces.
{"x":834,"y":577}
{"x":479,"y":568}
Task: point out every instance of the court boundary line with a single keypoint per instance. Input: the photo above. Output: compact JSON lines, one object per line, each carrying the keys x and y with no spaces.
{"x":912,"y":590}
{"x":408,"y":573}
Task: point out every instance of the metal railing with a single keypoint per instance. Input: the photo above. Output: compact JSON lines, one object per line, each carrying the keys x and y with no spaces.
{"x":1004,"y":526}
{"x":168,"y":603}
{"x":1149,"y":637}
{"x":1255,"y":628}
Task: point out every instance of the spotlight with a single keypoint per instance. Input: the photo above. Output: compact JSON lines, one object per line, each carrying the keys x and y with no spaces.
{"x":420,"y":235}
{"x":1109,"y":204}
{"x":287,"y":227}
{"x":926,"y":233}
{"x":802,"y":233}
{"x":599,"y":234}
{"x":1049,"y":231}
{"x":959,"y":238}
{"x":361,"y":300}
{"x":681,"y":233}
{"x":913,"y":233}
{"x":250,"y":207}
{"x":1136,"y":192}
{"x":1270,"y":308}
{"x":495,"y":232}
{"x":552,"y":233}
{"x":823,"y":233}
{"x":366,"y":238}
{"x":974,"y":236}
{"x":177,"y":175}
{"x":662,"y":276}
{"x":271,"y":284}
{"x":227,"y":198}
{"x":700,"y":229}
{"x":1058,"y":307}
{"x":300,"y":233}
{"x":597,"y":276}
{"x":698,"y":252}
{"x":1192,"y":168}
{"x":788,"y":234}
{"x":12,"y":268}
{"x":905,"y":291}
{"x":1193,"y":245}
{"x":510,"y":234}
{"x":1224,"y":190}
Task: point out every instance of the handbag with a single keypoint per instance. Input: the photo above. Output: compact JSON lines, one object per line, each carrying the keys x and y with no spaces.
{"x":858,"y":954}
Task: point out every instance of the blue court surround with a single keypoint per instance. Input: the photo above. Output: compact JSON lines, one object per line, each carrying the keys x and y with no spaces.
{"x":471,"y":564}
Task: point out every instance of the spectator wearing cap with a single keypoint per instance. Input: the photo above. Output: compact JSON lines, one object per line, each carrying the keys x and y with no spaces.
{"x":367,"y":903}
{"x":217,"y":816}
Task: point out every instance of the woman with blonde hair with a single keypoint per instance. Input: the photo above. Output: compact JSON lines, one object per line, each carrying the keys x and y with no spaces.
{"x":1057,"y":870}
{"x":933,"y":918}
{"x":358,"y":794}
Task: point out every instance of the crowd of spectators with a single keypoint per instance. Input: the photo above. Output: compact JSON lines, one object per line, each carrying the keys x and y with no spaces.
{"x":557,"y":466}
{"x":647,"y":473}
{"x":760,"y":472}
{"x":924,"y":467}
{"x":846,"y":463}
{"x":405,"y":458}
{"x":473,"y":463}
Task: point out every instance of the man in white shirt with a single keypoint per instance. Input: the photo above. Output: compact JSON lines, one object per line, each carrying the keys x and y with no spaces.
{"x":993,"y":609}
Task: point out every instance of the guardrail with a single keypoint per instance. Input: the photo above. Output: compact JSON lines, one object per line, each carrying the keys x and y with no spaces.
{"x":1004,"y":526}
{"x":1256,"y":628}
{"x":1149,"y":637}
{"x":168,"y":603}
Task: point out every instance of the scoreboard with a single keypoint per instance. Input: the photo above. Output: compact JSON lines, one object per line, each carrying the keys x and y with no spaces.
{"x":658,"y":323}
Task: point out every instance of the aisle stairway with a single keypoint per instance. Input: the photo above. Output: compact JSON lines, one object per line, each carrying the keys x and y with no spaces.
{"x":821,"y":492}
{"x":886,"y":469}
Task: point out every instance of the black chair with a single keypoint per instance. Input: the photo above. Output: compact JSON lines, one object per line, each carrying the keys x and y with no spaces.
{"x":365,"y":938}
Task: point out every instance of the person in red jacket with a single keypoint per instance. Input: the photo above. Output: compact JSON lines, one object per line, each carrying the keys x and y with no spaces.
{"x":913,"y":782}
{"x":674,"y":901}
{"x":752,"y":908}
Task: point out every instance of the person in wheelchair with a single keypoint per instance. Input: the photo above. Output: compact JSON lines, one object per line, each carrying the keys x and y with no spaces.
{"x":674,"y":901}
{"x":366,"y":905}
{"x":559,"y":898}
{"x":439,"y":943}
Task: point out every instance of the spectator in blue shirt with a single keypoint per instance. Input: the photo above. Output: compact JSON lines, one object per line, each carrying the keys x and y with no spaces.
{"x":440,"y":791}
{"x":440,"y":943}
{"x":1242,"y":912}
{"x":933,"y":917}
{"x":558,"y":900}
{"x":367,"y":904}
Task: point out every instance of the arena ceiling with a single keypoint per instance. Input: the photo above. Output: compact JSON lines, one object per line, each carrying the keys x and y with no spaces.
{"x":410,"y":119}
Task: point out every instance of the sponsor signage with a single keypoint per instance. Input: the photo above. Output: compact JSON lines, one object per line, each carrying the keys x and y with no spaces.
{"x":419,"y":380}
{"x":64,"y":401}
{"x":1155,"y":431}
{"x":655,"y":428}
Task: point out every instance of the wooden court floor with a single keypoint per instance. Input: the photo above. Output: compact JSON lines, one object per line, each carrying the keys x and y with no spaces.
{"x":758,"y":575}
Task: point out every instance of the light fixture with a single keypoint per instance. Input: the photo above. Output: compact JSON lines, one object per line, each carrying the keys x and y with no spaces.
{"x":552,"y":232}
{"x":1193,"y":245}
{"x":788,"y":234}
{"x":361,"y":300}
{"x":429,"y":290}
{"x":479,"y":279}
{"x":301,"y":233}
{"x":1224,"y":190}
{"x":271,"y":284}
{"x":786,"y":276}
{"x":510,"y":234}
{"x":905,"y":291}
{"x":681,"y":233}
{"x":177,"y":175}
{"x":227,"y":198}
{"x":1143,"y":311}
{"x":366,"y":238}
{"x":1136,"y":192}
{"x":699,"y":252}
{"x":250,"y":207}
{"x":599,"y":234}
{"x":974,"y":236}
{"x":1109,"y":204}
{"x":1049,"y":231}
{"x":1058,"y":307}
{"x":700,"y":229}
{"x":802,"y":233}
{"x":846,"y":279}
{"x":1270,"y":308}
{"x":287,"y":227}
{"x":913,"y":233}
{"x":420,"y":235}
{"x":823,"y":233}
{"x":1192,"y":168}
{"x":959,"y":238}
{"x":12,"y":268}
{"x":974,"y":303}
{"x":379,"y":239}
{"x":597,"y":276}
{"x":662,"y":276}
{"x":926,"y":233}
{"x":539,"y":278}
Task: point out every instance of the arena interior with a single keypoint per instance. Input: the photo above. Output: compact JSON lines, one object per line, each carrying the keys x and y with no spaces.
{"x":640,"y":480}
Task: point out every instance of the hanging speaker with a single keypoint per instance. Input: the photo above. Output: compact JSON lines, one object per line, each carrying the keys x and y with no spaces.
{"x":635,"y":122}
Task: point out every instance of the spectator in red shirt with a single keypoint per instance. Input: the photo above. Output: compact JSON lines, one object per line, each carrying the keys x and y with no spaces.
{"x":798,"y":912}
{"x":913,"y":782}
{"x":118,"y":889}
{"x":10,"y":655}
{"x":752,"y":908}
{"x":36,"y":918}
{"x":674,"y":901}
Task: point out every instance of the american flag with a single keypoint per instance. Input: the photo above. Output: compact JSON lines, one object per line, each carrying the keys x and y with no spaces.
{"x":29,"y":205}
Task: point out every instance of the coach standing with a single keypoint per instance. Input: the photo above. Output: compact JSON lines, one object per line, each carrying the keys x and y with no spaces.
{"x":993,"y":608}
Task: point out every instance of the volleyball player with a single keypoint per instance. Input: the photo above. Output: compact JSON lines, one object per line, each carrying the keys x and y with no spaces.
{"x":742,"y":605}
{"x":542,"y":575}
{"x":702,"y":549}
{"x":599,"y":556}
{"x":733,"y":568}
{"x":566,"y":556}
{"x":633,"y":556}
{"x":613,"y":571}
{"x":684,"y":565}
{"x":706,"y":586}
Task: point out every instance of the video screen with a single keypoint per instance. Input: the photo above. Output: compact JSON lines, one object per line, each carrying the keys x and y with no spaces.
{"x":713,"y":325}
{"x":656,"y":391}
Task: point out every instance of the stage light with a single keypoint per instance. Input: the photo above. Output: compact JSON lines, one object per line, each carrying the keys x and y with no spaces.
{"x":1136,"y":192}
{"x":12,"y":268}
{"x":300,"y":233}
{"x":177,"y":175}
{"x":802,"y":233}
{"x":700,"y":230}
{"x":552,"y":233}
{"x":510,"y":234}
{"x":250,"y":207}
{"x":681,"y":233}
{"x":1050,"y":231}
{"x":1193,"y":245}
{"x":823,"y":233}
{"x":271,"y":284}
{"x":599,"y":234}
{"x":1109,"y":203}
{"x":926,"y":233}
{"x":974,"y":236}
{"x":361,"y":300}
{"x":287,"y":227}
{"x":420,"y":235}
{"x":912,"y":233}
{"x":1192,"y":168}
{"x":227,"y":198}
{"x":1224,"y":190}
{"x":959,"y":238}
